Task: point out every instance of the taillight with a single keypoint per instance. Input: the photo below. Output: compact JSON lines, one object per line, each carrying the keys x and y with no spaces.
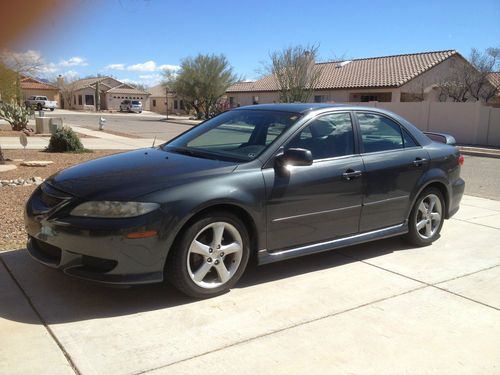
{"x":461,"y":160}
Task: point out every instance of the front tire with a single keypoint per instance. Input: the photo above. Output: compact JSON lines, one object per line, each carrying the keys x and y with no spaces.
{"x":210,"y":256}
{"x":426,"y":218}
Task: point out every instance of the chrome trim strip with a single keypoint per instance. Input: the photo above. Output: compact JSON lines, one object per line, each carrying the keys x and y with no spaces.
{"x":315,"y":213}
{"x":387,"y":200}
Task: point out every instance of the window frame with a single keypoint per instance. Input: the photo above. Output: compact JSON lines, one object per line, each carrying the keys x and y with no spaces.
{"x":401,"y":129}
{"x":356,"y":152}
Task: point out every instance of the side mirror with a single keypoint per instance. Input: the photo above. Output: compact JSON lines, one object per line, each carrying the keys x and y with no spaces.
{"x":294,"y":156}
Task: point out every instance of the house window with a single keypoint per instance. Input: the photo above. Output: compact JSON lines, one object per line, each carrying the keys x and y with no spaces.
{"x":80,"y":100}
{"x":74,"y":99}
{"x":154,"y":103}
{"x":89,"y":99}
{"x":231,"y":101}
{"x":175,"y":104}
{"x":319,"y":99}
{"x":181,"y":104}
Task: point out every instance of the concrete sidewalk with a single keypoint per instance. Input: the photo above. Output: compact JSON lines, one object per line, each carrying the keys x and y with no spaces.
{"x":378,"y":308}
{"x":102,"y":141}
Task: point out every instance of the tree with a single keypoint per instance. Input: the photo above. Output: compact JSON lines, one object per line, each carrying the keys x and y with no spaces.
{"x":295,"y":72}
{"x":28,"y":63}
{"x":8,"y":88}
{"x":201,"y":81}
{"x":469,"y":81}
{"x":67,"y":89}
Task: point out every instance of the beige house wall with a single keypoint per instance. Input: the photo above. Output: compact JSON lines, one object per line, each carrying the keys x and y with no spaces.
{"x":85,"y":91}
{"x":50,"y":94}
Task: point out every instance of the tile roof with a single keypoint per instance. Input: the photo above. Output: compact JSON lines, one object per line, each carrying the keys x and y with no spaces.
{"x":494,"y":78}
{"x":126,"y":89}
{"x":30,"y":83}
{"x":385,"y":71}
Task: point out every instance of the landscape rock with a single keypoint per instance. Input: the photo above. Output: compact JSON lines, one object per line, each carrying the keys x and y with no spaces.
{"x":36,"y":163}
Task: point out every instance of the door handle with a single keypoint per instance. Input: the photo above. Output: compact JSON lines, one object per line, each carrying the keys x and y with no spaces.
{"x":351,"y":174}
{"x":418,"y":162}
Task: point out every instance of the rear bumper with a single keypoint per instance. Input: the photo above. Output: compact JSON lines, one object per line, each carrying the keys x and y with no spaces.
{"x":456,"y":194}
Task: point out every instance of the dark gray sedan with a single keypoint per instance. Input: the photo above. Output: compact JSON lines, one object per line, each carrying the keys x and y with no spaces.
{"x":278,"y":181}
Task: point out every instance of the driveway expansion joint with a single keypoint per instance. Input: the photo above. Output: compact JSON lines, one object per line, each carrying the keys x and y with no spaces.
{"x":282,"y":330}
{"x":432,"y":285}
{"x":42,"y":320}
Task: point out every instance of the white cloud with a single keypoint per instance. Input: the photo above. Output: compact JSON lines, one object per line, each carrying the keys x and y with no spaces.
{"x":73,"y":61}
{"x":148,"y":66}
{"x":115,"y":67}
{"x":48,"y":69}
{"x":128,"y":80}
{"x":70,"y":75}
{"x":169,"y":67}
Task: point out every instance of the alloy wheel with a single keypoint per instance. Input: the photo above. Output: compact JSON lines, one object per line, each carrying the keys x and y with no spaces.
{"x":214,"y":255}
{"x":429,"y":216}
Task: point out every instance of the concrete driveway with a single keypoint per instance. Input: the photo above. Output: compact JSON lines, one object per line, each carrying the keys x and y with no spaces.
{"x":379,"y":308}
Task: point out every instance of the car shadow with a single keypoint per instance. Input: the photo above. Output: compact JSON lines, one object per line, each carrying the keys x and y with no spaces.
{"x":61,"y":299}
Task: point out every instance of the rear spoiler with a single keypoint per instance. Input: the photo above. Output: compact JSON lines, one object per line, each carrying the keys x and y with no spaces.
{"x":441,"y":138}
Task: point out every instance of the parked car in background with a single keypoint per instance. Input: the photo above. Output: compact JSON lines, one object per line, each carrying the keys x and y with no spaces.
{"x":277,"y":181}
{"x":40,"y":102}
{"x":131,"y":106}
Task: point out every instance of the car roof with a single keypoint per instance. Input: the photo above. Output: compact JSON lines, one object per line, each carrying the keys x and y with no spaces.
{"x":306,"y":107}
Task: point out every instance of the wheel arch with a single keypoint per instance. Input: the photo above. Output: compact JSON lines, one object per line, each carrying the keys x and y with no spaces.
{"x":236,"y":210}
{"x":442,"y":187}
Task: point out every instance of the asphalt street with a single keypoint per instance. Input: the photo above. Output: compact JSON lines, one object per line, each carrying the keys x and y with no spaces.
{"x":142,"y":125}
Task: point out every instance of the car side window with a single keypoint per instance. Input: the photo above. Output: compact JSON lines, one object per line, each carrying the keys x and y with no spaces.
{"x":408,"y":140}
{"x":327,"y":136}
{"x":378,"y":133}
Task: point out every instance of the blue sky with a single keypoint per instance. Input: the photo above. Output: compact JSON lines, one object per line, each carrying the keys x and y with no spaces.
{"x":135,"y":39}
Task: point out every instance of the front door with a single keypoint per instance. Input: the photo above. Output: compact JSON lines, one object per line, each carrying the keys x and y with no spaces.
{"x":320,"y":202}
{"x":393,"y":164}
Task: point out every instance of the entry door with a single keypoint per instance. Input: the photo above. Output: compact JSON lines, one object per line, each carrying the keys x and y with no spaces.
{"x":393,"y":164}
{"x":320,"y":202}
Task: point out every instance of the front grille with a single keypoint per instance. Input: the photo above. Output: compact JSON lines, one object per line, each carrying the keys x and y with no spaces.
{"x":50,"y":251}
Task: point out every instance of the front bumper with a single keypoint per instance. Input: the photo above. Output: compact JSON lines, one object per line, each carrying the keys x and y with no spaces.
{"x":91,"y":249}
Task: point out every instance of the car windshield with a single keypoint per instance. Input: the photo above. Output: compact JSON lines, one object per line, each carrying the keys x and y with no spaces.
{"x":239,"y":135}
{"x":136,"y":102}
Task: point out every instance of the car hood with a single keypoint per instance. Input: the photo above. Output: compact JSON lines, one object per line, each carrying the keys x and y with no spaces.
{"x":131,"y":174}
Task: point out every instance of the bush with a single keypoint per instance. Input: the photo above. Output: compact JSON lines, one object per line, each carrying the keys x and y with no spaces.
{"x":16,"y":115}
{"x":65,"y":140}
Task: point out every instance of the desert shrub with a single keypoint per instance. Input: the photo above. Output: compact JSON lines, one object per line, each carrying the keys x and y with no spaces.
{"x":65,"y":140}
{"x":17,"y":116}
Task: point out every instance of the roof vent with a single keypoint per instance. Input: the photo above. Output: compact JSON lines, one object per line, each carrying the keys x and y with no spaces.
{"x":343,"y":63}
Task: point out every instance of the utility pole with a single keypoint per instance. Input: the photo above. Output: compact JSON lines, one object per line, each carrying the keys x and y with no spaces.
{"x":166,"y":100}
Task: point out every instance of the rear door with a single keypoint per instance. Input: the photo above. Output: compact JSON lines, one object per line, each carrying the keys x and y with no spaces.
{"x":393,"y":163}
{"x":322,"y":201}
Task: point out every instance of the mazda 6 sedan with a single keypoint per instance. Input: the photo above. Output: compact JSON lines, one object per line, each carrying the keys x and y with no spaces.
{"x":272,"y":181}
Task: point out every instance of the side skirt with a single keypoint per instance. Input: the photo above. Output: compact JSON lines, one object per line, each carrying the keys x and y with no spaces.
{"x":265,"y":256}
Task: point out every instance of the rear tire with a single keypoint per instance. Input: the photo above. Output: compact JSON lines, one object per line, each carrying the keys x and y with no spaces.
{"x":426,"y":218}
{"x":210,"y":255}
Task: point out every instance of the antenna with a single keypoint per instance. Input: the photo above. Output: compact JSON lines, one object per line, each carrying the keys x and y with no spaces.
{"x":154,"y":140}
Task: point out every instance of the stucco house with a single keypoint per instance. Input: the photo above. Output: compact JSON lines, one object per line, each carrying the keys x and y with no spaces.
{"x":158,"y":100}
{"x":494,"y":78}
{"x":81,"y":94}
{"x":32,"y":86}
{"x":398,"y":78}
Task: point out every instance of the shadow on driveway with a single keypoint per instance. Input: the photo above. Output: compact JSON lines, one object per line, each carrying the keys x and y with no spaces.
{"x":61,"y":299}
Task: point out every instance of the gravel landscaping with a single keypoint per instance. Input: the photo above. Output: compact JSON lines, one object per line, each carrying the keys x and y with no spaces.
{"x":13,"y":198}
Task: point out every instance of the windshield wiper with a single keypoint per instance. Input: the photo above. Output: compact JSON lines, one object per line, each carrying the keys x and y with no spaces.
{"x":191,"y":152}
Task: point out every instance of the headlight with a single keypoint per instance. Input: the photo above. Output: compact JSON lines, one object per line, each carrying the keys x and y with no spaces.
{"x":113,"y":209}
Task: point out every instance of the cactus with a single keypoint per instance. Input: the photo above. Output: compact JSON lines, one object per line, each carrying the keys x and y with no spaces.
{"x":17,"y":116}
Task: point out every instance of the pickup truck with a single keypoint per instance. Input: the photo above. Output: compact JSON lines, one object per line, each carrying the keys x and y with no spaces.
{"x":40,"y":102}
